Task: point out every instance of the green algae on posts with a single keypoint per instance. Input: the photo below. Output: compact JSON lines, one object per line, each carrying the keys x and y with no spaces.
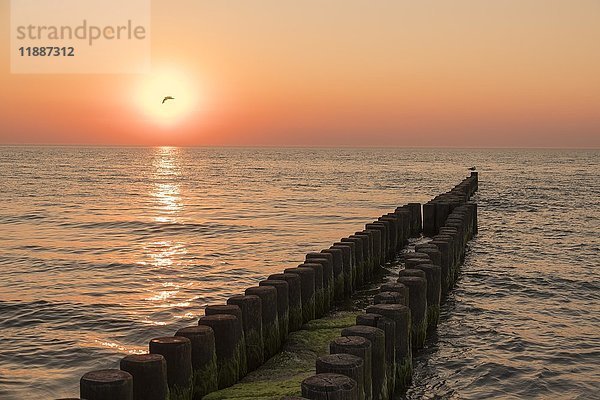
{"x":295,"y":318}
{"x":205,"y":379}
{"x":254,"y":346}
{"x":228,"y":346}
{"x":228,"y":371}
{"x":403,"y":374}
{"x":360,"y":270}
{"x":331,"y":291}
{"x":284,"y":326}
{"x":271,"y":338}
{"x":319,"y":302}
{"x":308,"y":309}
{"x":181,"y":393}
{"x":419,"y":333}
{"x":263,"y":390}
{"x":433,"y":315}
{"x":282,"y":374}
{"x":339,"y":287}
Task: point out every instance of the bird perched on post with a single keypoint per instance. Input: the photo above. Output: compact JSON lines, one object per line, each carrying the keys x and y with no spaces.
{"x":472,"y":169}
{"x":167,"y":98}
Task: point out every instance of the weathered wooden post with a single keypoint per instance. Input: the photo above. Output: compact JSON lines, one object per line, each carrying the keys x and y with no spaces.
{"x":360,"y":347}
{"x":283,"y":307}
{"x":383,"y":240}
{"x":236,"y":311}
{"x":388,"y":327}
{"x":442,"y":210}
{"x":177,"y":352}
{"x":394,"y":231}
{"x":402,"y":317}
{"x":359,"y":261}
{"x":345,"y":364}
{"x":434,"y":292}
{"x":376,"y":253}
{"x":398,"y":288}
{"x":338,"y":272}
{"x":412,"y":260}
{"x":388,"y":298}
{"x":388,"y":240}
{"x":319,"y":287}
{"x":401,"y":219}
{"x":473,"y":207}
{"x":307,"y":282}
{"x":412,"y":272}
{"x":447,"y":278}
{"x":429,"y":227}
{"x":204,"y":360}
{"x":417,"y":290}
{"x":416,"y":219}
{"x":270,"y":320}
{"x":405,"y":216}
{"x":376,"y":338}
{"x":326,"y":260}
{"x":448,"y":251}
{"x":294,"y":299}
{"x":227,"y":346}
{"x":367,"y":248}
{"x":106,"y":384}
{"x":330,"y":387}
{"x":350,"y":276}
{"x":149,"y":372}
{"x":251,"y":307}
{"x":452,"y":235}
{"x":432,"y":251}
{"x":348,"y":266}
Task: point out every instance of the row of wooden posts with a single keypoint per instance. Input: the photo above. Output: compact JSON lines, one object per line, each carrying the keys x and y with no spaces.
{"x":372,"y":360}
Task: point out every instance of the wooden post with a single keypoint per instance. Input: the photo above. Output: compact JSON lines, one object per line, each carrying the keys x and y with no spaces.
{"x":270,"y":320}
{"x":345,"y":364}
{"x":360,"y":347}
{"x":330,"y":387}
{"x":177,"y":352}
{"x":251,"y":307}
{"x":227,"y":346}
{"x":106,"y":384}
{"x":204,"y":359}
{"x":149,"y":372}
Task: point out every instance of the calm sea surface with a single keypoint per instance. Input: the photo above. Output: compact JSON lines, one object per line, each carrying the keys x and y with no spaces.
{"x":102,"y":249}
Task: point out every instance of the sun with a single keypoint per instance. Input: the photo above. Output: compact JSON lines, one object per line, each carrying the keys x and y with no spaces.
{"x":154,"y":87}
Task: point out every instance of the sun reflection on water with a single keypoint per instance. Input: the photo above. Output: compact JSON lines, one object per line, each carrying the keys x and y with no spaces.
{"x":164,"y":254}
{"x":166,"y":190}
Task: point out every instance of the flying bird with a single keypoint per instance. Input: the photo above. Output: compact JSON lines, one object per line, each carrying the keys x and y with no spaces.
{"x":472,"y":169}
{"x":167,"y":98}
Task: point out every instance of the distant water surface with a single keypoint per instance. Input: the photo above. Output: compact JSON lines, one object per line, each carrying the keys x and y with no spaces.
{"x":105,"y":248}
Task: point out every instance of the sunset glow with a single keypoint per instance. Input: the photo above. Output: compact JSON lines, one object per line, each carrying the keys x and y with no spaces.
{"x":154,"y":87}
{"x":515,"y":73}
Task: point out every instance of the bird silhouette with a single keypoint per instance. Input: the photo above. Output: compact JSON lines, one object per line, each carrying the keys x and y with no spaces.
{"x":167,"y":98}
{"x":472,"y":169}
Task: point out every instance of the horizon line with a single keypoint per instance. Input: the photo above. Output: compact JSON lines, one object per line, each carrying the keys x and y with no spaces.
{"x":324,"y":147}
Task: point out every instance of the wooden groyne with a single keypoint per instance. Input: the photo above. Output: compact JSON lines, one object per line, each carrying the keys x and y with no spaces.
{"x":370,"y":351}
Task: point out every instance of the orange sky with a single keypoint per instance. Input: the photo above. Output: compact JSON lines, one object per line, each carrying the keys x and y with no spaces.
{"x":514,"y":73}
